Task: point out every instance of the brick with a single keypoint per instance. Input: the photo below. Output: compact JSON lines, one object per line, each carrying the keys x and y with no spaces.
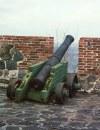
{"x":88,"y":56}
{"x":33,"y":48}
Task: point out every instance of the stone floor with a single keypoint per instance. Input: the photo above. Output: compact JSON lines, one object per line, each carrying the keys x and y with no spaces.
{"x":79,"y":113}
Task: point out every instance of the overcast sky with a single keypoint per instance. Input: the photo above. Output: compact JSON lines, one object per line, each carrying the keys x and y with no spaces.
{"x":50,"y":17}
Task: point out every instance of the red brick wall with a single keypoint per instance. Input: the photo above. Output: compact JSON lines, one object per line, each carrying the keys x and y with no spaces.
{"x":33,"y":48}
{"x":89,"y":56}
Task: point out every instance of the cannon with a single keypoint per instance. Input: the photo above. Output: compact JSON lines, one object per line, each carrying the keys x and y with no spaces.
{"x":40,"y":79}
{"x":46,"y":81}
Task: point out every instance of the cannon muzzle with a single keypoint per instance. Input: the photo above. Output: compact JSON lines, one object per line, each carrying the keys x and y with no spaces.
{"x":39,"y":81}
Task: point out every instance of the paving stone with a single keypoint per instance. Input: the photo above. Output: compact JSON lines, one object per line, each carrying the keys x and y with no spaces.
{"x":23,"y":115}
{"x":77,"y":125}
{"x":52,"y":124}
{"x":96,"y":114}
{"x":30,"y":119}
{"x":95,"y":125}
{"x":12,"y":128}
{"x":33,"y":128}
{"x":80,"y":113}
{"x":56,"y":119}
{"x":91,"y":128}
{"x":85,"y":111}
{"x":2,"y":123}
{"x":16,"y":121}
{"x":81,"y":129}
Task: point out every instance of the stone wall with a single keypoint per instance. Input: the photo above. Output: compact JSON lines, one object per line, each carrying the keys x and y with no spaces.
{"x":89,"y":63}
{"x":33,"y":48}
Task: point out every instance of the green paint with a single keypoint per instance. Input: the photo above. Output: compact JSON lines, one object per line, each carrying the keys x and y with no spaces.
{"x":57,"y":75}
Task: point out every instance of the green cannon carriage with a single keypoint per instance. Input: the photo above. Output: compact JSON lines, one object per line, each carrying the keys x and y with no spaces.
{"x":47,"y":81}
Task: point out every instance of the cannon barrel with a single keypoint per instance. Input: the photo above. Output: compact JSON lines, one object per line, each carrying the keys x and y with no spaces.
{"x":39,"y":81}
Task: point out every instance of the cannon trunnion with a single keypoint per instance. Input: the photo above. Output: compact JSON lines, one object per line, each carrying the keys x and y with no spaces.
{"x":46,"y":81}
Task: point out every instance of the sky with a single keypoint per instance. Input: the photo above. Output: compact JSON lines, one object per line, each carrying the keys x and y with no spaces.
{"x":80,"y":18}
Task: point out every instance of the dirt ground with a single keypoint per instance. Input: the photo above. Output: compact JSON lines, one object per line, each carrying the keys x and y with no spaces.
{"x":79,"y":113}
